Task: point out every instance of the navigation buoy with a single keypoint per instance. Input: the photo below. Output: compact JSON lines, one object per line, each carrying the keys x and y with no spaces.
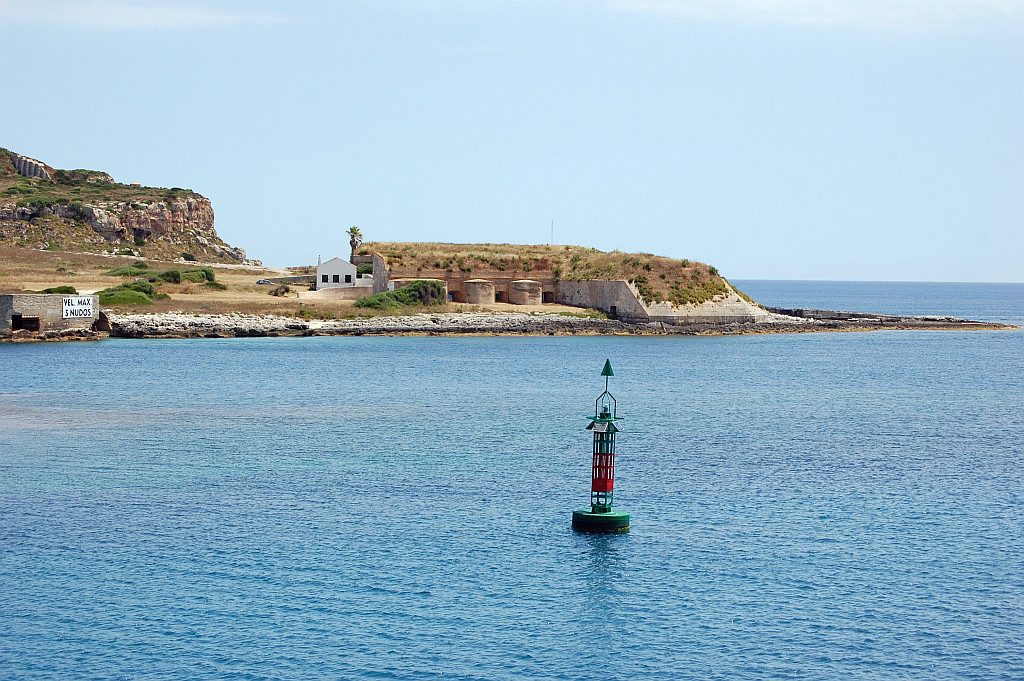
{"x":601,"y":517}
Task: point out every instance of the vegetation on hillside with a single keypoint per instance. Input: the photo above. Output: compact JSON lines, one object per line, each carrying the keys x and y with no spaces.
{"x":87,"y":211}
{"x":657,"y":278}
{"x":75,"y":188}
{"x":145,"y":290}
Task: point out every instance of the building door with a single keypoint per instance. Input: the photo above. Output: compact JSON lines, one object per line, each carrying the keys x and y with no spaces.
{"x":20,"y":323}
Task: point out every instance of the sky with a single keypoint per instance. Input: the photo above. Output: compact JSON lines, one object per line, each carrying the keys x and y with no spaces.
{"x":776,"y":139}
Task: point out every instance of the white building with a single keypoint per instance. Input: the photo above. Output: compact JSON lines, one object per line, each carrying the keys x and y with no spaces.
{"x":335,"y":273}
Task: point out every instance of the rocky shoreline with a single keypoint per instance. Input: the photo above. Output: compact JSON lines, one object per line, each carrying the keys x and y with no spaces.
{"x":179,"y":325}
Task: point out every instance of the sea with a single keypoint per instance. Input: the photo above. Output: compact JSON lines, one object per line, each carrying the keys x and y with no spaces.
{"x":805,"y":506}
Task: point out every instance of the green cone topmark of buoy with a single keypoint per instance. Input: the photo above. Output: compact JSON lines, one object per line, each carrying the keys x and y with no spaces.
{"x":601,"y":517}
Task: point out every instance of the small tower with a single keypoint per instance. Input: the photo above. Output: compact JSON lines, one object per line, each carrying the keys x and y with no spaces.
{"x":601,"y":517}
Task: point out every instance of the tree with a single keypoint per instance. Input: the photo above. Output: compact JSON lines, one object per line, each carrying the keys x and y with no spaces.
{"x":355,"y":237}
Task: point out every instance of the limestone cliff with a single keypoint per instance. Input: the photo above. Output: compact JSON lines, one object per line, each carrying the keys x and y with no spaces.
{"x":85,"y":210}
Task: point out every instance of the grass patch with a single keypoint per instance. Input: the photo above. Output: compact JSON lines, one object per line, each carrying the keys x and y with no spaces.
{"x":134,"y":293}
{"x":585,"y":314}
{"x":118,"y":296}
{"x":145,"y":291}
{"x":312,"y":313}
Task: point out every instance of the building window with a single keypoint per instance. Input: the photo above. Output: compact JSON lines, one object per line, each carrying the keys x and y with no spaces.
{"x":323,"y":278}
{"x":336,"y":279}
{"x":348,"y":278}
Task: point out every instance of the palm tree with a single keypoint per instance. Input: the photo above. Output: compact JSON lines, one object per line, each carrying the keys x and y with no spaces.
{"x":355,"y":237}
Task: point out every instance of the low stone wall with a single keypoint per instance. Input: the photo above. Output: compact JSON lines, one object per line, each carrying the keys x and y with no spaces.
{"x":811,"y":313}
{"x":339,"y":293}
{"x":296,"y":279}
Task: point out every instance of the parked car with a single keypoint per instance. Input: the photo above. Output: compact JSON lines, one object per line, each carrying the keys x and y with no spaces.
{"x":264,"y":281}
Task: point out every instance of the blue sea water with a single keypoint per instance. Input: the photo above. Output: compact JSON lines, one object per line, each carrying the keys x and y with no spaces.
{"x":833,"y":505}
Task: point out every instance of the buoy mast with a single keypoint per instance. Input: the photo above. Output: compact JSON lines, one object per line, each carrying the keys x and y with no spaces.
{"x":601,"y":517}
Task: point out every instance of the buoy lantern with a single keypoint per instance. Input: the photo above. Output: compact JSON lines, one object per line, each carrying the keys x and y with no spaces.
{"x":601,"y":517}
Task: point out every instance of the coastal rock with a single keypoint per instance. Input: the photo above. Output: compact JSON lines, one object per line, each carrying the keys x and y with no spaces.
{"x":177,"y":325}
{"x":181,"y":325}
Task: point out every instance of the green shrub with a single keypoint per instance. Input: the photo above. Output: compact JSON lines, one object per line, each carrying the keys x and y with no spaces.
{"x":145,"y":287}
{"x":207,"y":273}
{"x":123,"y":296}
{"x":217,"y":286}
{"x":60,"y":289}
{"x":188,"y":257}
{"x":365,"y":268}
{"x":169,"y":276}
{"x":193,"y":276}
{"x":140,"y":292}
{"x":280,"y":290}
{"x":414,"y":293}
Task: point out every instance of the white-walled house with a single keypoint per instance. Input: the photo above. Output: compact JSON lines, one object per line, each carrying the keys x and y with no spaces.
{"x":335,"y":273}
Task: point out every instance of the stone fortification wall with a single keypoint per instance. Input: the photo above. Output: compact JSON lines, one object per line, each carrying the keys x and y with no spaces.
{"x":526,"y":292}
{"x":381,"y":273}
{"x":478,"y":291}
{"x":621,"y":300}
{"x":726,"y":309}
{"x":616,"y":298}
{"x":48,"y":308}
{"x":456,"y":280}
{"x":30,"y":167}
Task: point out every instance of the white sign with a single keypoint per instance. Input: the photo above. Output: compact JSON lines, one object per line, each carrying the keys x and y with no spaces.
{"x":78,"y":307}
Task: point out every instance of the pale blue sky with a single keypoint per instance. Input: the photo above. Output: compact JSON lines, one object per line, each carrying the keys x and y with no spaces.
{"x":788,"y":139}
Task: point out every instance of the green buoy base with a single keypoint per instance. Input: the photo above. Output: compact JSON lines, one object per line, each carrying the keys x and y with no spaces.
{"x":613,"y":521}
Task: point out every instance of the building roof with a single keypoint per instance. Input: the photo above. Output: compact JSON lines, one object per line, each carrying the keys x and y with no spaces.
{"x":336,"y":260}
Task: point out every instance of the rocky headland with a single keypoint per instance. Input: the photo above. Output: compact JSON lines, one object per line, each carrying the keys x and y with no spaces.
{"x":87,"y":211}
